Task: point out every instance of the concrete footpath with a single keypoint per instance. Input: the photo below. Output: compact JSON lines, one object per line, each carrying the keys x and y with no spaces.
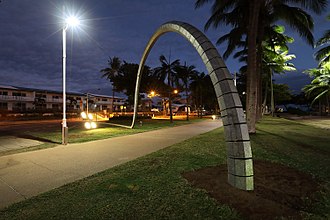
{"x":28,"y":174}
{"x":12,"y":143}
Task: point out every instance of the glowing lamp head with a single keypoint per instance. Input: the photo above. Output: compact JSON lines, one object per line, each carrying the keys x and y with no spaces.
{"x":72,"y":21}
{"x":83,"y":115}
{"x":93,"y":124}
{"x":88,"y":125}
{"x":90,"y":116}
{"x":214,"y":117}
{"x":175,"y":91}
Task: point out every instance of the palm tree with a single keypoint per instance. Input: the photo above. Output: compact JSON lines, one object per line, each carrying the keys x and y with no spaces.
{"x":202,"y":93}
{"x":274,"y":54}
{"x":125,"y":80}
{"x":277,"y":61}
{"x":185,"y":74}
{"x":197,"y":87}
{"x":167,"y":70}
{"x":323,"y":54}
{"x":251,"y":23}
{"x":320,"y":85}
{"x":112,"y":71}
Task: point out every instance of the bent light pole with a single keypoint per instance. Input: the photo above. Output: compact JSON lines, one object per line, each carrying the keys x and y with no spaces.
{"x":239,"y":154}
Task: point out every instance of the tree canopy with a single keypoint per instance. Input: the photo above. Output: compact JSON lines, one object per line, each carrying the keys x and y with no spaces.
{"x":251,"y":22}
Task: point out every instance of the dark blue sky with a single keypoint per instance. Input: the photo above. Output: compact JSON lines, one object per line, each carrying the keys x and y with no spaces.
{"x":31,"y":40}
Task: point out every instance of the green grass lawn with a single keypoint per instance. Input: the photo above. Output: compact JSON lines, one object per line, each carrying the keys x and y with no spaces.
{"x":79,"y":133}
{"x":105,"y":130}
{"x":317,"y":122}
{"x":152,"y":187}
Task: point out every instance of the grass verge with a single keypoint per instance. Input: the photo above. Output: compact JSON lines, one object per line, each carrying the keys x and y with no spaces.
{"x":105,"y":130}
{"x":152,"y":187}
{"x":78,"y":133}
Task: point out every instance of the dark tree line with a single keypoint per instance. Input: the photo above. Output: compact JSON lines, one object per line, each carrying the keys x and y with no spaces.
{"x":252,"y":23}
{"x":164,"y":79}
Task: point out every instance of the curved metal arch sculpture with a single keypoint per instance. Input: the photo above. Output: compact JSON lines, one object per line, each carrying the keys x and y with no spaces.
{"x":239,"y":154}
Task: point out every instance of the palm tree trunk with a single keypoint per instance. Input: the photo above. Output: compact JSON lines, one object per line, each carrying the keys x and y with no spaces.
{"x":259,"y":96}
{"x":264,"y":103}
{"x":251,"y":109}
{"x":201,"y":104}
{"x":272,"y":95}
{"x":260,"y":36}
{"x":328,"y":104}
{"x":198,"y":98}
{"x":187,"y":99}
{"x":164,"y":107}
{"x":170,"y":107}
{"x":113,"y":98}
{"x":169,"y":78}
{"x":258,"y":72}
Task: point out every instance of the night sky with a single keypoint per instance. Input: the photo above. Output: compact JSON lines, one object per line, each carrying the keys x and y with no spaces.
{"x":31,"y":41}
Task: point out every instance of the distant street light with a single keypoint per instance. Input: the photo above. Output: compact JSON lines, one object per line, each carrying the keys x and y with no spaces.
{"x":152,"y":94}
{"x":175,"y":91}
{"x":69,"y":22}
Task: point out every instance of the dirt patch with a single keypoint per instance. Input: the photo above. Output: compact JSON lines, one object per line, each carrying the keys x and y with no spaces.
{"x":280,"y":191}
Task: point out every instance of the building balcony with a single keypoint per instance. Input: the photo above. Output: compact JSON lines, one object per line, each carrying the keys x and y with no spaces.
{"x":16,"y":98}
{"x":119,"y":103}
{"x":109,"y":103}
{"x":104,"y":102}
{"x":51,"y":100}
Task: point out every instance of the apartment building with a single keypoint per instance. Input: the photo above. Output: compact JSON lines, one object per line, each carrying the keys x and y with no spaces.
{"x":105,"y":103}
{"x":20,"y":99}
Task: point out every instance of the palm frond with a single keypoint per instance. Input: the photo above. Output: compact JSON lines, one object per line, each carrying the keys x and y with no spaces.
{"x":320,"y":95}
{"x":322,"y":53}
{"x":324,"y":61}
{"x":200,"y":3}
{"x":317,"y":6}
{"x":325,"y":39}
{"x":240,"y":53}
{"x":298,"y":20}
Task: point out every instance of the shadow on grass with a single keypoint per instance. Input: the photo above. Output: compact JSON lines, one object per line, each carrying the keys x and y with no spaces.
{"x":28,"y":136}
{"x":296,"y":142}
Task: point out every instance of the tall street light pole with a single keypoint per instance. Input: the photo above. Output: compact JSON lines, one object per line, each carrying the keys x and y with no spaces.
{"x":71,"y":21}
{"x":64,"y":124}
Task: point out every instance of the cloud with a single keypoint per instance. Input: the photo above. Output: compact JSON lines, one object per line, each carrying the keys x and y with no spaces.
{"x":31,"y":39}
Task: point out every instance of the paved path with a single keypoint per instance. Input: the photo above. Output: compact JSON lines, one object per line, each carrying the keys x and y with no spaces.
{"x":12,"y":143}
{"x":28,"y":174}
